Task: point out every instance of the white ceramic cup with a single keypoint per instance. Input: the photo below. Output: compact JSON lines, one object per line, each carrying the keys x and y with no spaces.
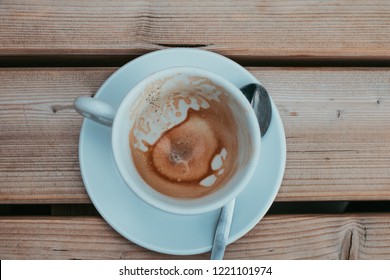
{"x":249,"y":143}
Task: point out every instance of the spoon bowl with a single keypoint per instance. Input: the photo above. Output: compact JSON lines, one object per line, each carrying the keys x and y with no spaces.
{"x":258,"y":96}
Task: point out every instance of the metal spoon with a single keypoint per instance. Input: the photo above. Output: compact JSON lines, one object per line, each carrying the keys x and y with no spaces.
{"x":258,"y":96}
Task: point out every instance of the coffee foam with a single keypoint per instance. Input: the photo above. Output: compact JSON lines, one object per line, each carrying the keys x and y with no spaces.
{"x":166,"y":104}
{"x":183,"y":141}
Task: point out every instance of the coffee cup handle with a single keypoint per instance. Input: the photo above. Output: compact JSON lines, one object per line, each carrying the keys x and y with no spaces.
{"x":95,"y":110}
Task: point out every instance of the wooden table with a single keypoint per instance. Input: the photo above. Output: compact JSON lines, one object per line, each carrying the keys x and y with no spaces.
{"x":325,"y":64}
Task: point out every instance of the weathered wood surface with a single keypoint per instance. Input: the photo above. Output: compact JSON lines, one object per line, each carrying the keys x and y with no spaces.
{"x":39,"y":132}
{"x":360,"y":236}
{"x":251,"y":29}
{"x":337,"y":123}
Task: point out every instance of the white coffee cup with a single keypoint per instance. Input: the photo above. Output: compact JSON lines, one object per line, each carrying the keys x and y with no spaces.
{"x":122,"y":121}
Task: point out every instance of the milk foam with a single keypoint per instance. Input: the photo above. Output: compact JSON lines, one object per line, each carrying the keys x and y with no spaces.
{"x":166,"y":108}
{"x":216,"y":165}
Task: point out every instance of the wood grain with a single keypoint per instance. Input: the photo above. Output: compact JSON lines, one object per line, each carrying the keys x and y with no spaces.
{"x":256,"y":29}
{"x":360,"y":236}
{"x":39,"y":133}
{"x":337,"y":123}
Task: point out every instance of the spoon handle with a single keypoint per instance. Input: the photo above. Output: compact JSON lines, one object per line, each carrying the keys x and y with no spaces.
{"x":222,"y":231}
{"x":258,"y":96}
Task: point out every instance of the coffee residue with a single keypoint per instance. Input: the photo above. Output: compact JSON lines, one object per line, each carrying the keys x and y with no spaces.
{"x":185,"y":158}
{"x":192,"y":149}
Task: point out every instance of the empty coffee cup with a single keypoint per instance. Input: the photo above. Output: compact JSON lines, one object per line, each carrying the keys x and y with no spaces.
{"x":184,"y":139}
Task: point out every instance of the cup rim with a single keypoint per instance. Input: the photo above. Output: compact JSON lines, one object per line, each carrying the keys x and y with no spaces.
{"x":178,"y":205}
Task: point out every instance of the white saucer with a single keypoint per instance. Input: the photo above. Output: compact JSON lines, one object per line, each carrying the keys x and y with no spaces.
{"x":145,"y":225}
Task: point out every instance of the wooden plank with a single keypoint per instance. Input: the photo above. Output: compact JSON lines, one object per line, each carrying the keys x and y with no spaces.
{"x":39,"y":133}
{"x":337,"y":123}
{"x":254,"y":29}
{"x":359,"y":236}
